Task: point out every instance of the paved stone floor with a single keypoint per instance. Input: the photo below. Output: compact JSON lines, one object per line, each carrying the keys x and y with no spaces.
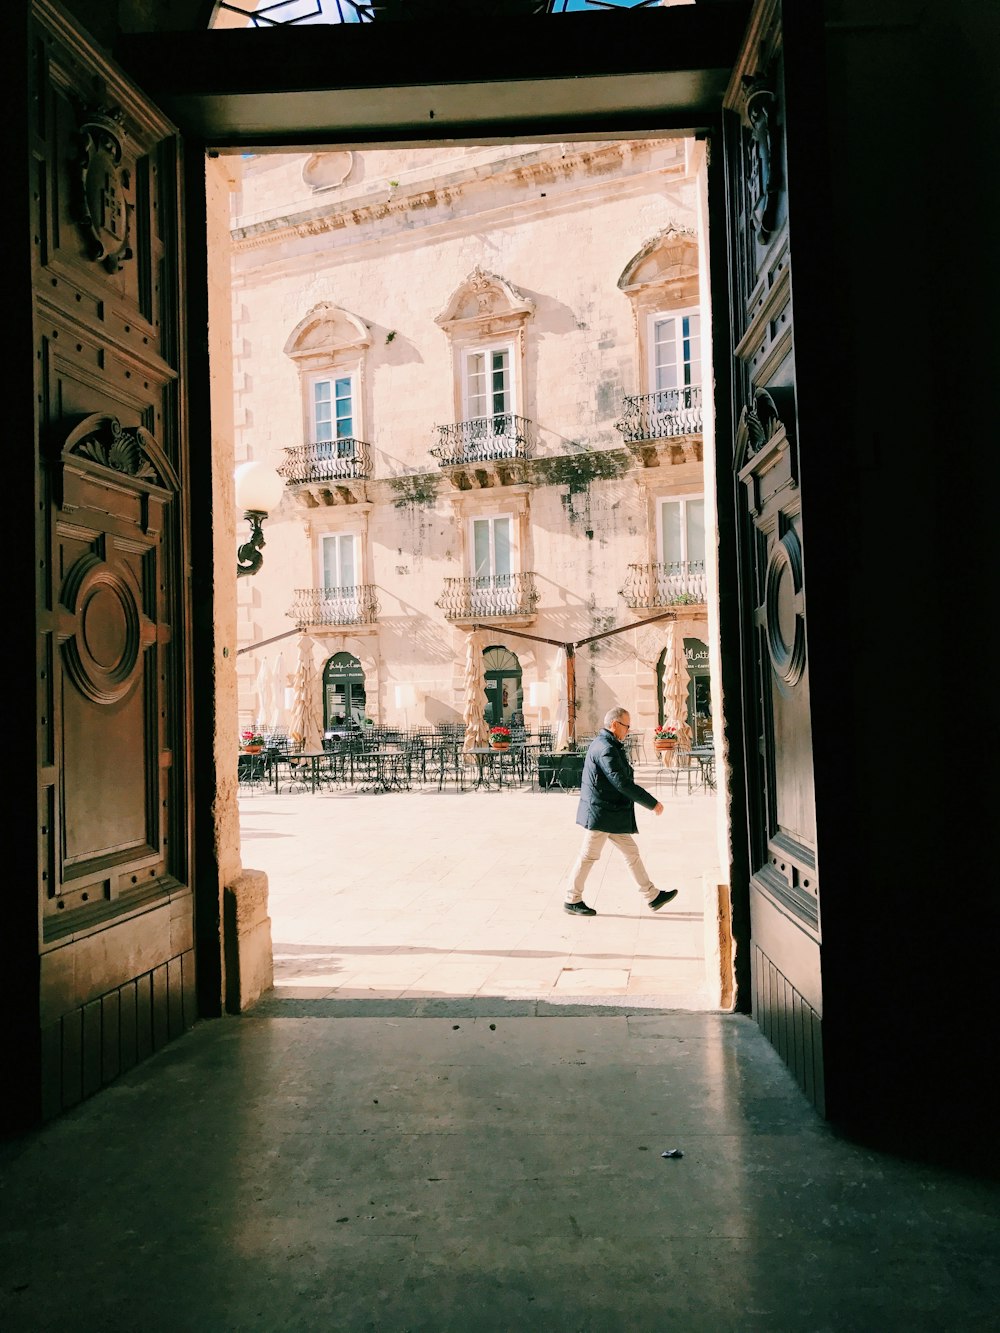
{"x":418,"y":895}
{"x":443,"y":1120}
{"x":458,"y":1175}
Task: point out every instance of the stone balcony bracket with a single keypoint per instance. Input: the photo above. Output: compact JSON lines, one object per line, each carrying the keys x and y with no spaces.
{"x":328,"y":472}
{"x":485,"y":452}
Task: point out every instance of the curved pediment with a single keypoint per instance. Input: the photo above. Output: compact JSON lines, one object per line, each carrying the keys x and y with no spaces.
{"x":485,"y":297}
{"x":325,"y":331}
{"x":132,"y":451}
{"x":670,"y":257}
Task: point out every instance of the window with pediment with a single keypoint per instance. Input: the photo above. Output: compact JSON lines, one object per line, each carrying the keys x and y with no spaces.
{"x":661,"y":282}
{"x":485,"y":322}
{"x":329,"y":347}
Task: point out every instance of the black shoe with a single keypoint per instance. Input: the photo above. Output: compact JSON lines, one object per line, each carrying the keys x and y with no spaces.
{"x":579,"y":909}
{"x":662,"y":898}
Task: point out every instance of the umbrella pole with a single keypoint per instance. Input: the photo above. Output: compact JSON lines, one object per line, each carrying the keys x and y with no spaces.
{"x":570,"y":696}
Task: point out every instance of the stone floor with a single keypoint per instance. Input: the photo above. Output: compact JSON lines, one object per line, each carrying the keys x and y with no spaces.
{"x":450,"y":1174}
{"x":451,"y":1115}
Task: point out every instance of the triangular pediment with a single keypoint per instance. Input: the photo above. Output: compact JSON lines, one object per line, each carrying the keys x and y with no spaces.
{"x":484,"y":296}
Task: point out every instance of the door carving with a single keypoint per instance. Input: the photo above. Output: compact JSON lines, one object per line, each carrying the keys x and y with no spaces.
{"x":116,"y":931}
{"x":784,"y":893}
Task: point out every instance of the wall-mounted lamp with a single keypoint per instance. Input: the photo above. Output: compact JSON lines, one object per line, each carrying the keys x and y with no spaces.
{"x":258,"y":490}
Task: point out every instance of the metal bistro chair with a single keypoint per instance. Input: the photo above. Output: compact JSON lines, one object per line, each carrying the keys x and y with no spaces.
{"x":637,"y":747}
{"x":685,"y":767}
{"x":252,"y":773}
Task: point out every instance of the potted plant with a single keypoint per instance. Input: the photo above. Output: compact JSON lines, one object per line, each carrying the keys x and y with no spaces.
{"x":500,"y":738}
{"x":253,"y":741}
{"x":665,"y":736}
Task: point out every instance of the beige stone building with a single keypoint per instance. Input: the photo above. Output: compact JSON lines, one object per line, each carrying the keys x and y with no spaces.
{"x":479,"y":372}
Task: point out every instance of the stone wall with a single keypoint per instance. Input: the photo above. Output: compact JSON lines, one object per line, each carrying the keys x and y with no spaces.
{"x":389,"y":252}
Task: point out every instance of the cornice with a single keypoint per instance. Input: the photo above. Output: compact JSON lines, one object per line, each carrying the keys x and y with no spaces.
{"x":542,"y":168}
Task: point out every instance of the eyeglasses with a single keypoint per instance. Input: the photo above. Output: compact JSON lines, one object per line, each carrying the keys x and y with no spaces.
{"x":626,"y":725}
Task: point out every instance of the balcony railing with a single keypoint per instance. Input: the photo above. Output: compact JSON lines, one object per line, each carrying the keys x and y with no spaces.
{"x":498,"y":596}
{"x":335,"y":606}
{"x":327,"y":460}
{"x":483,"y":440}
{"x":679,"y":583}
{"x":662,"y":415}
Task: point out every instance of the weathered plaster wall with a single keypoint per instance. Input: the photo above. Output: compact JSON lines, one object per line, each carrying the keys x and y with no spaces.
{"x":559,"y":223}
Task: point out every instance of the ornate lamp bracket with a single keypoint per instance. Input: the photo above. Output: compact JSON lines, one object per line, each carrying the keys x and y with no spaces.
{"x":249,"y":556}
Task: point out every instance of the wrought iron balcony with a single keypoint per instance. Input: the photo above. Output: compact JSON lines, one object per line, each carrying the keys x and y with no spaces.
{"x":666,"y":417}
{"x":497,"y":597}
{"x":326,"y":472}
{"x":679,"y":583}
{"x":662,"y":415}
{"x":315,"y":607}
{"x":487,"y":451}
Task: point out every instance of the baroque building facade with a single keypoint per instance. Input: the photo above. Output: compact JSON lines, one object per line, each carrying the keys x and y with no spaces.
{"x":479,"y":372}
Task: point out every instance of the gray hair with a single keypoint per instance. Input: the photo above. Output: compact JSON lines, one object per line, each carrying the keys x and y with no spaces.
{"x":615,"y":715}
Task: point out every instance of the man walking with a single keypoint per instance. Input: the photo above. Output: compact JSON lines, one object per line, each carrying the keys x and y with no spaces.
{"x":608,"y":796}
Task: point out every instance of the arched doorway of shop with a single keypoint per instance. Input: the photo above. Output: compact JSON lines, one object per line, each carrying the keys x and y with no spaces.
{"x":504,"y":693}
{"x":343,"y":692}
{"x":697,"y":688}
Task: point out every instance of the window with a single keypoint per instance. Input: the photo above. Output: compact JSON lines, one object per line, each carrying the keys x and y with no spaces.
{"x":333,"y":409}
{"x":487,"y":384}
{"x":675,"y":351}
{"x":340,"y":566}
{"x":682,"y":531}
{"x":491,"y":550}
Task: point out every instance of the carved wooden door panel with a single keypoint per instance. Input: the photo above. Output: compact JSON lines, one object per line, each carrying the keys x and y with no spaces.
{"x":784,"y":893}
{"x":115,"y":911}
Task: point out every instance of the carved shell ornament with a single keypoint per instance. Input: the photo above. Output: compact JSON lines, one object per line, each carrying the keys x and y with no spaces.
{"x":123,"y":448}
{"x":105,"y":213}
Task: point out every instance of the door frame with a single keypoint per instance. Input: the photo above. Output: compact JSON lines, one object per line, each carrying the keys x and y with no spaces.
{"x":186,"y":75}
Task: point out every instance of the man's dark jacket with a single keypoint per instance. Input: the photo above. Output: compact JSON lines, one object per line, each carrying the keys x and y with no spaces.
{"x":608,"y":794}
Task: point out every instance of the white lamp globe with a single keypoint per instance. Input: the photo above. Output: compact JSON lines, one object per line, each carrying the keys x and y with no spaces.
{"x":258,"y":487}
{"x":538,"y":693}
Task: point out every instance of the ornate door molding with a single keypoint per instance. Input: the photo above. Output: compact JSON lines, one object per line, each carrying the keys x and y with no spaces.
{"x":772,"y":531}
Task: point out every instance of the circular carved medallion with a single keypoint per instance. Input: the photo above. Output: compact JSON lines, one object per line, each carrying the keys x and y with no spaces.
{"x":103,"y":654}
{"x":784,"y":621}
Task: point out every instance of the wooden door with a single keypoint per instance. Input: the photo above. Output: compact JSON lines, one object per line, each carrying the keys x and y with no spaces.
{"x":771,"y":534}
{"x":115,"y":942}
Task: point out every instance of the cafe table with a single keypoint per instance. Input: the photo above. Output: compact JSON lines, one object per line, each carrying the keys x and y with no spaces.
{"x":389,"y":770}
{"x":297,"y":760}
{"x":489,"y":766}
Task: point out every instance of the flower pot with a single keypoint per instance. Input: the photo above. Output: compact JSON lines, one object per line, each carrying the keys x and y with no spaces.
{"x":665,"y":743}
{"x":252,"y":749}
{"x":500,"y":745}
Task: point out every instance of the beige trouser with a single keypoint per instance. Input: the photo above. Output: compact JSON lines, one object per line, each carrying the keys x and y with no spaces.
{"x":593,"y":845}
